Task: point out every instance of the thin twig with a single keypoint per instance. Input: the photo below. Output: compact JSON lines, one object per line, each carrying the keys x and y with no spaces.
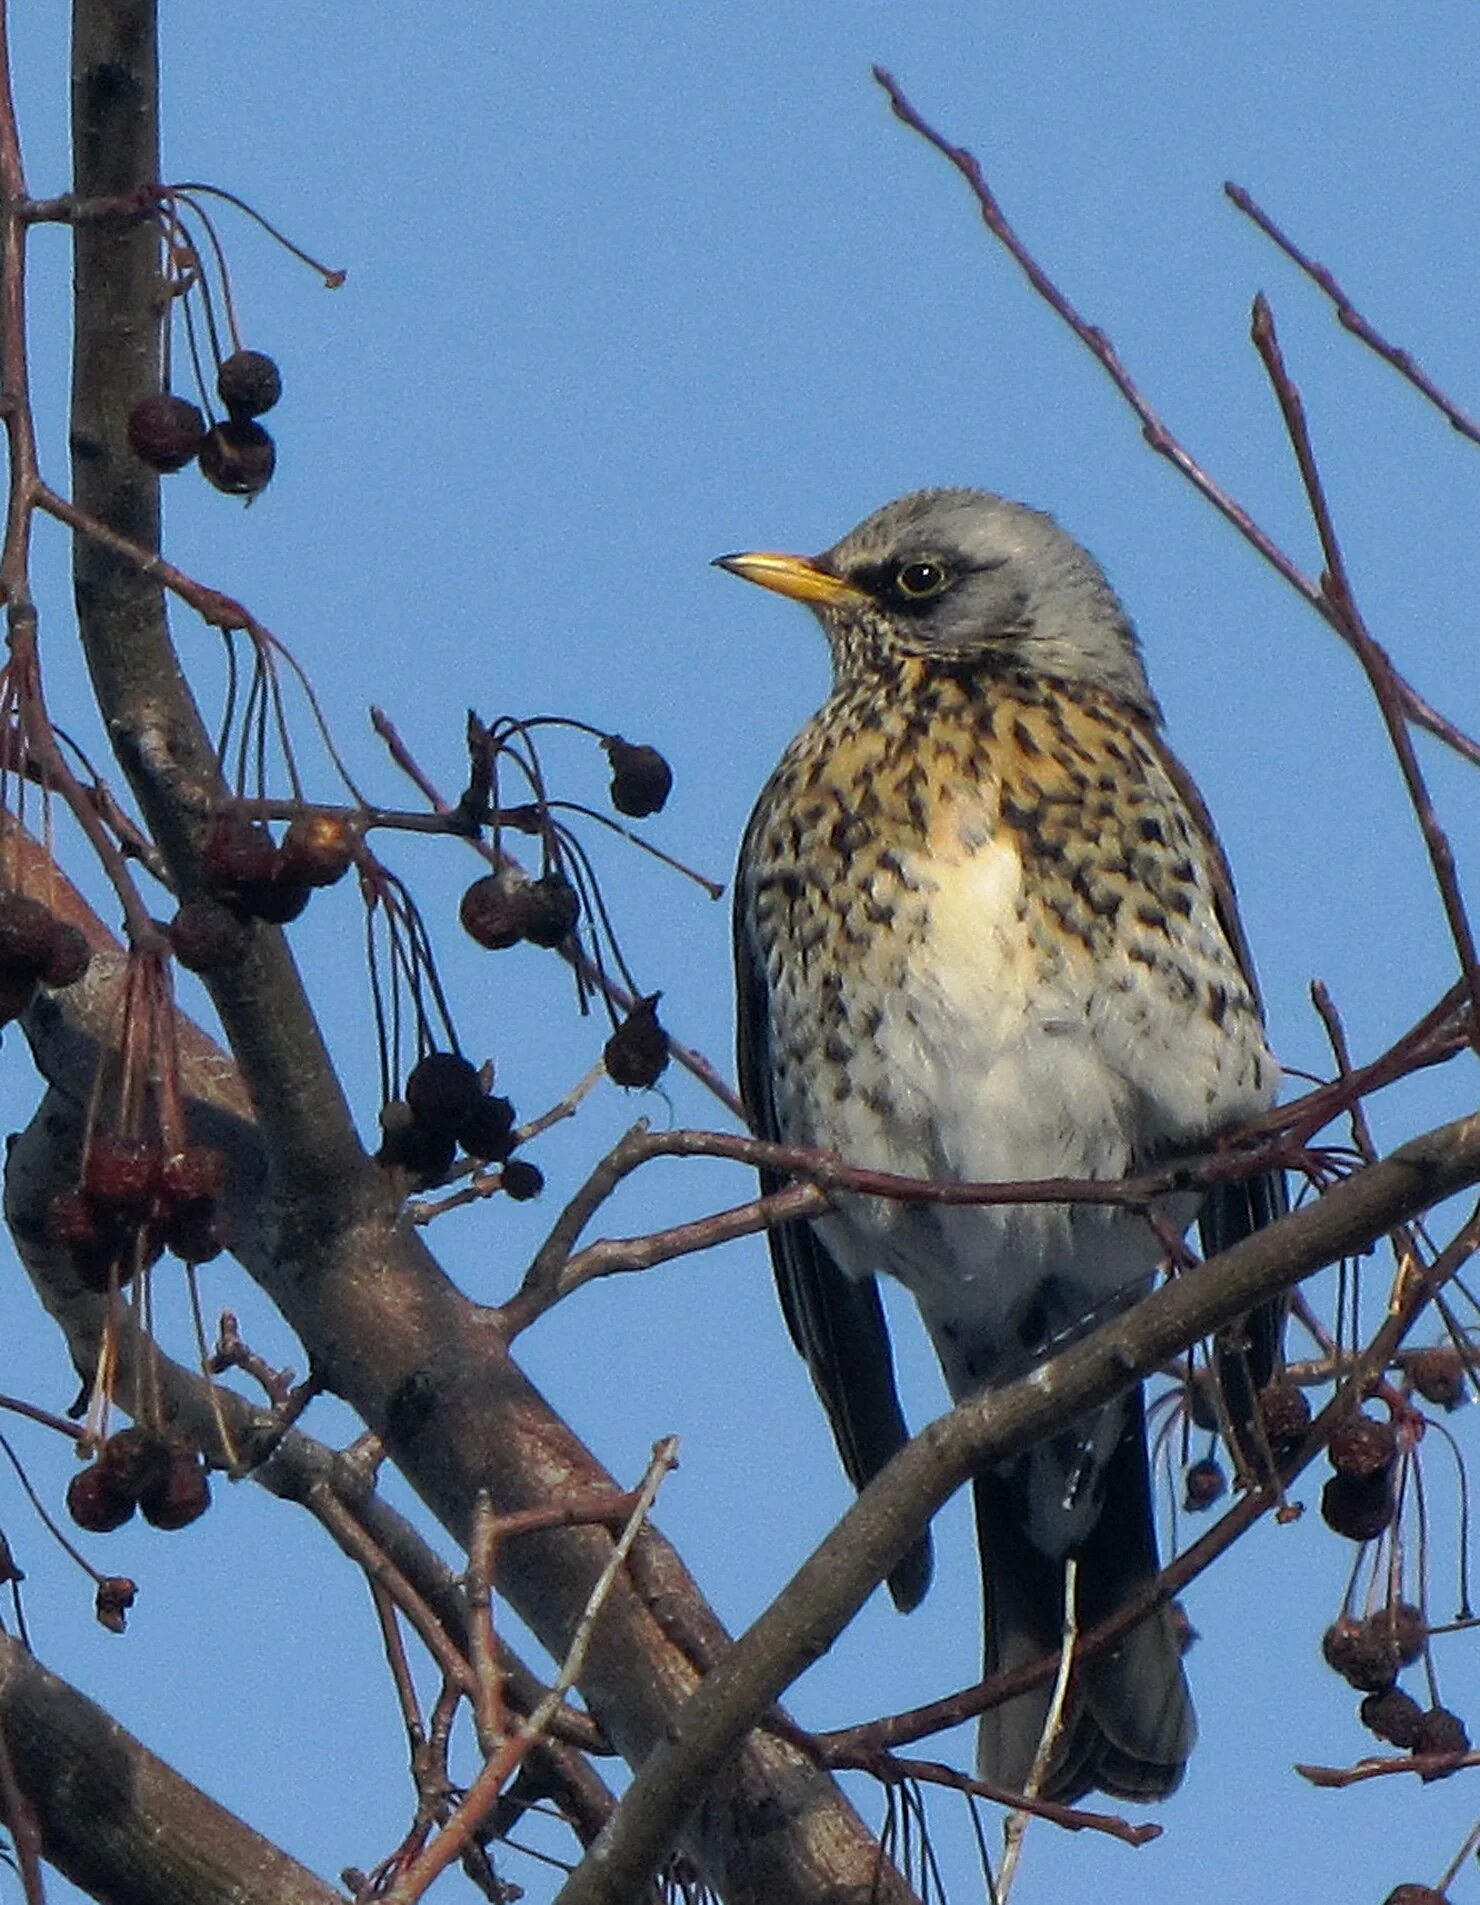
{"x":1351,"y":318}
{"x":1155,"y":431}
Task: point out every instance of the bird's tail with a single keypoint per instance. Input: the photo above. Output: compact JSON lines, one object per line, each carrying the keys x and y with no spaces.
{"x":1127,"y":1727}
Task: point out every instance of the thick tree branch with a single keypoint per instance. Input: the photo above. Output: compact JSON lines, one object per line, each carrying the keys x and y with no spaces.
{"x":833,"y":1584}
{"x":119,"y":1822}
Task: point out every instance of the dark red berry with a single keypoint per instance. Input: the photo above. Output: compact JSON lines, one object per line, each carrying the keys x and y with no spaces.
{"x":318,"y":848}
{"x":207,"y":936}
{"x":27,"y":934}
{"x":249,"y":383}
{"x":277,"y":901}
{"x":238,"y":457}
{"x":1284,"y":1415}
{"x":181,"y":1496}
{"x":165,"y":431}
{"x":1360,"y":1511}
{"x":641,"y":779}
{"x":192,"y":1232}
{"x":522,"y":1180}
{"x":1365,"y":1659}
{"x":68,"y":958}
{"x":99,"y":1244}
{"x":554,"y":908}
{"x":636,"y":1054}
{"x":119,"y":1173}
{"x":487,"y":1133}
{"x":1440,"y":1731}
{"x":96,"y":1503}
{"x":1415,"y":1895}
{"x":197,"y":1171}
{"x":443,"y":1090}
{"x":1438,"y":1374}
{"x":426,"y":1156}
{"x":496,"y":909}
{"x":1363,"y":1448}
{"x":135,"y":1461}
{"x":1203,"y":1483}
{"x":1393,"y":1716}
{"x":237,"y":852}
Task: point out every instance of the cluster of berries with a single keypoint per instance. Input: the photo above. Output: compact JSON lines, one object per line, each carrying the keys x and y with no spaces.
{"x":36,"y":948}
{"x":252,"y":876}
{"x":1369,"y":1655}
{"x":138,"y":1469}
{"x":448,"y":1107}
{"x":236,"y":456}
{"x":134,"y":1202}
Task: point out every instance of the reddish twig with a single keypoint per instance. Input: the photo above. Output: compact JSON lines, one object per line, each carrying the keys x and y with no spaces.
{"x":1153,"y":428}
{"x":1351,"y":318}
{"x":1342,"y":612}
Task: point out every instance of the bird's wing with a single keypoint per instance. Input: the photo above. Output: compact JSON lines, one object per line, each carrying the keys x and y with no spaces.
{"x":1248,"y":1354}
{"x":836,"y":1321}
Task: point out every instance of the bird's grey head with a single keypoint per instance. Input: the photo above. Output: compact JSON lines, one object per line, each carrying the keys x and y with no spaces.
{"x":969,"y":579}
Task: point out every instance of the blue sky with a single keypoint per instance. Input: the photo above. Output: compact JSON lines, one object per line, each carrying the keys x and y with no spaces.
{"x":630,"y":286}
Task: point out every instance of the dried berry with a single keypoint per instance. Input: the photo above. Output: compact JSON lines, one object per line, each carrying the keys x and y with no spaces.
{"x":192,"y":1231}
{"x":1203,"y":1483}
{"x":1284,"y":1415}
{"x":238,"y":457}
{"x":1407,"y":1626}
{"x":68,"y":957}
{"x":1363,"y":1448}
{"x":426,"y":1156}
{"x":93,"y":1242}
{"x":641,"y":779}
{"x":249,"y":383}
{"x":1440,"y":1731}
{"x":488,"y":1132}
{"x":1438,"y":1374}
{"x":636,"y":1054}
{"x":554,"y":908}
{"x":120,"y":1173}
{"x":522,"y":1180}
{"x":496,"y":909}
{"x":318,"y":848}
{"x":1366,"y":1658}
{"x":27,"y":934}
{"x":443,"y":1090}
{"x":1415,"y":1895}
{"x":196,"y":1172}
{"x":116,"y":1595}
{"x":206,"y":936}
{"x":1360,"y":1511}
{"x":96,"y":1503}
{"x":181,"y":1496}
{"x":1393,"y":1716}
{"x":237,"y":852}
{"x":277,"y":901}
{"x":135,"y":1461}
{"x":165,"y":431}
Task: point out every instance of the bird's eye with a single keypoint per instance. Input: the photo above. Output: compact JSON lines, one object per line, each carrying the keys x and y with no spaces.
{"x":920,"y":579}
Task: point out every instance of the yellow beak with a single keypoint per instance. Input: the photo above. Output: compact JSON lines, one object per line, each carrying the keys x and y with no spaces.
{"x":795,"y":576}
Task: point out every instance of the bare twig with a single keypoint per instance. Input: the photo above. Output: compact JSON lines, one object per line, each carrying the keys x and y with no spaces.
{"x":1153,"y":428}
{"x":1351,"y":318}
{"x":1343,"y":614}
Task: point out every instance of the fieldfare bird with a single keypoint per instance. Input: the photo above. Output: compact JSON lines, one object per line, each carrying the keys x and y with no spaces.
{"x":984,"y":931}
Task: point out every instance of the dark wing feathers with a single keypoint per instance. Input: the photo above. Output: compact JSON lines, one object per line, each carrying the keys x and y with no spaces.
{"x":836,"y":1321}
{"x":1248,"y":1354}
